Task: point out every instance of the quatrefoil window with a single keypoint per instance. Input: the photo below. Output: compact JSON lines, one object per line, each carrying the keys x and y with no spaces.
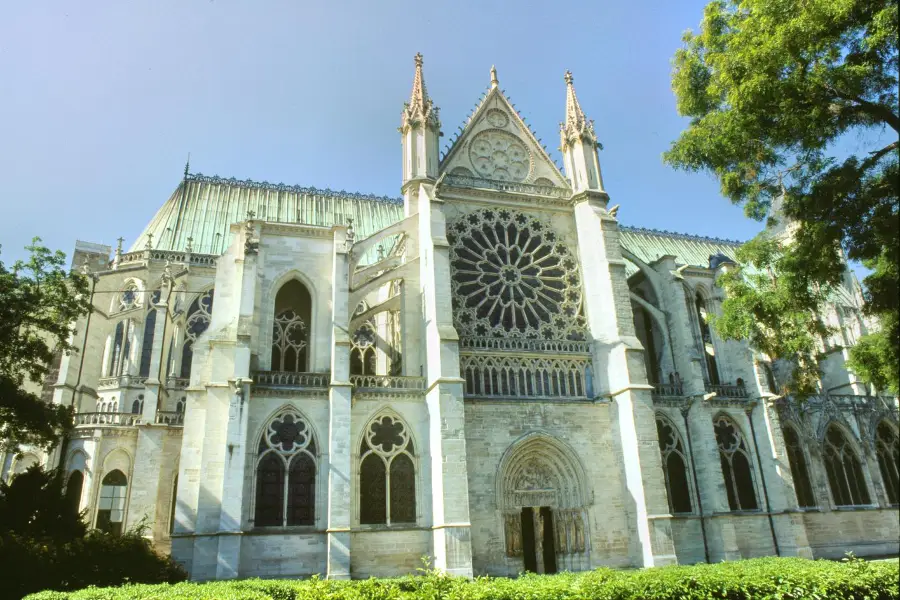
{"x":513,"y":276}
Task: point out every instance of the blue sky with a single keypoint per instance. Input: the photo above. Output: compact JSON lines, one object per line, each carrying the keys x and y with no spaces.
{"x":103,"y":100}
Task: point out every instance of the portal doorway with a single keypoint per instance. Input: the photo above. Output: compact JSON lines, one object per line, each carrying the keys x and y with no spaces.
{"x":538,"y":547}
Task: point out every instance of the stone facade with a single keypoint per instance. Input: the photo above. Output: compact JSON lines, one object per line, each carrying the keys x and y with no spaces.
{"x":490,"y":372}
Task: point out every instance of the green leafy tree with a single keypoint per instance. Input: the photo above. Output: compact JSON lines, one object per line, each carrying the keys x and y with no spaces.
{"x":775,"y":90}
{"x":34,"y":505}
{"x":39,"y":301}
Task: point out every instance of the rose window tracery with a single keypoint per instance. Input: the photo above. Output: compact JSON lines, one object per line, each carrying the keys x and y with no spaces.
{"x":513,"y":277}
{"x":499,"y":155}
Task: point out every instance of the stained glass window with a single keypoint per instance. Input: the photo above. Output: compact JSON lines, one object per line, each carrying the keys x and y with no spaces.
{"x":387,"y":474}
{"x":674,"y":465}
{"x":799,"y":469}
{"x":736,"y":469}
{"x":887,"y":447}
{"x":286,"y":472}
{"x":845,"y":476}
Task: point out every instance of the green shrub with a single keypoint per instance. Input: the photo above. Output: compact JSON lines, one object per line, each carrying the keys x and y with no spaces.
{"x":764,"y":578}
{"x":98,"y":558}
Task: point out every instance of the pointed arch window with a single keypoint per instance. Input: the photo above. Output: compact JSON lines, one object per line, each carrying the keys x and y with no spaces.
{"x":736,"y":469}
{"x":675,"y":466}
{"x":845,"y":475}
{"x":111,"y":506}
{"x":198,"y":318}
{"x":149,"y":332}
{"x":289,"y":342}
{"x":291,"y":328}
{"x":286,"y":472}
{"x":799,"y":469}
{"x":362,"y":351}
{"x":387,"y":474}
{"x":701,"y":306}
{"x":887,"y":448}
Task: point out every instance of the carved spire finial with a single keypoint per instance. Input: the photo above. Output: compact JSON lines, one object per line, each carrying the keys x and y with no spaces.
{"x":420,"y":108}
{"x":576,"y":125}
{"x":494,"y":81}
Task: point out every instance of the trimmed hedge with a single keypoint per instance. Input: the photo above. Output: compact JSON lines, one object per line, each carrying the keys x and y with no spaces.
{"x":781,"y":578}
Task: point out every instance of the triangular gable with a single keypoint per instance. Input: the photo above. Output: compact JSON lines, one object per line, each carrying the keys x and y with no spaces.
{"x":497,"y":144}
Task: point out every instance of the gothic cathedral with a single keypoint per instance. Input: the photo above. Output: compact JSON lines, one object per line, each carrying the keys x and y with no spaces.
{"x":490,"y":371}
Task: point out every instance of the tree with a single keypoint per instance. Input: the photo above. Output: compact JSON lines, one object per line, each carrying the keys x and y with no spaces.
{"x":774,"y":89}
{"x":39,"y":302}
{"x":34,"y":505}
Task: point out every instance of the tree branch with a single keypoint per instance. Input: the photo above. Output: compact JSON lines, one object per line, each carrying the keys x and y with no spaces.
{"x":875,"y":156}
{"x":880,"y":112}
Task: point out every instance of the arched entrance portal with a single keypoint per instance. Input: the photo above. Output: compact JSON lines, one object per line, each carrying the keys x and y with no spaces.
{"x":543,"y":499}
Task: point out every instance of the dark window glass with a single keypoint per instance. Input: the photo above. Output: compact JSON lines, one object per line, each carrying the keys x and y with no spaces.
{"x":887,"y":447}
{"x":172,"y":507}
{"x":799,"y":470}
{"x":73,"y":490}
{"x":674,"y":465}
{"x":706,"y":340}
{"x":403,"y":490}
{"x":736,"y":469}
{"x":845,"y":476}
{"x":111,"y":504}
{"x":302,"y":491}
{"x":373,"y":497}
{"x":147,"y":343}
{"x":270,"y":491}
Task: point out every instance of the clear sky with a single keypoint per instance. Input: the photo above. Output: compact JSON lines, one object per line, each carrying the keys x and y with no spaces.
{"x":103,"y":100}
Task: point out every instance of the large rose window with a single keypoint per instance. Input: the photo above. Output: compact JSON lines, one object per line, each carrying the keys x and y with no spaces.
{"x":513,"y":277}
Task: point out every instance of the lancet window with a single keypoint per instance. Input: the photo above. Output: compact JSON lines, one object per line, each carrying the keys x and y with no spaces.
{"x":286,"y":472}
{"x":799,"y":468}
{"x":735,"y":458}
{"x":887,"y":448}
{"x":387,"y":474}
{"x":149,"y":332}
{"x":675,"y":466}
{"x":701,"y":308}
{"x":111,"y":505}
{"x":198,"y":318}
{"x":291,"y":328}
{"x":845,"y":474}
{"x":119,"y":351}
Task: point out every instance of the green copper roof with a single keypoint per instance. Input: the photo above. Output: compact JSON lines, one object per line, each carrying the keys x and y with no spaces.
{"x":204,"y":207}
{"x":650,"y":244}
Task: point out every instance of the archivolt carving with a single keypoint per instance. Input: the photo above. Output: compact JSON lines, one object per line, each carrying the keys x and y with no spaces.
{"x":513,"y":277}
{"x":540,"y":470}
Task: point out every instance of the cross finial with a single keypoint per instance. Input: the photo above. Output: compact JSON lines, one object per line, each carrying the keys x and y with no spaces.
{"x":494,"y":81}
{"x":187,"y":165}
{"x":568,"y":77}
{"x":418,"y":59}
{"x":119,"y":245}
{"x":149,"y":245}
{"x":189,"y":247}
{"x":250,"y":214}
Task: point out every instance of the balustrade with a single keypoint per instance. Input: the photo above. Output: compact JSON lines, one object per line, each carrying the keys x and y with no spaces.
{"x":172,"y":418}
{"x":291,"y":379}
{"x":668,"y":390}
{"x":386,"y":382}
{"x":107,"y":419}
{"x":727,"y":390}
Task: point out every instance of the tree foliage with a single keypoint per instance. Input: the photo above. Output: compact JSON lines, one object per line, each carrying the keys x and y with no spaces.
{"x":775,"y":90}
{"x":39,"y":301}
